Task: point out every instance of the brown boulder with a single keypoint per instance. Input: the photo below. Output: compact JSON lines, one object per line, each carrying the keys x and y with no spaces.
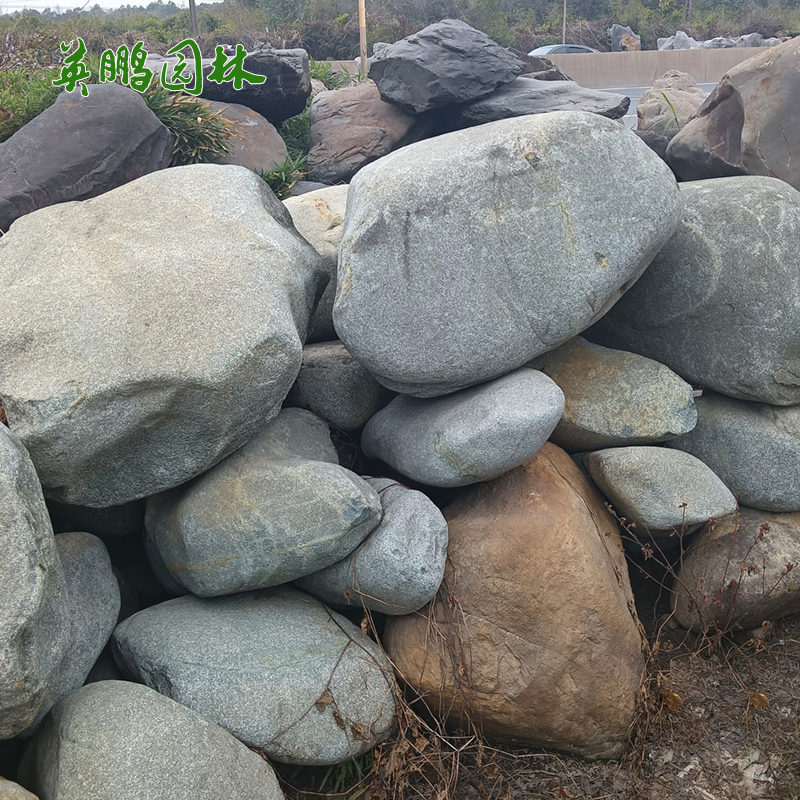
{"x":352,"y":127}
{"x":534,"y":635}
{"x":749,"y":125}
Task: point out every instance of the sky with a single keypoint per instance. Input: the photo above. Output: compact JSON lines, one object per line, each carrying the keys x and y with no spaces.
{"x":10,"y":6}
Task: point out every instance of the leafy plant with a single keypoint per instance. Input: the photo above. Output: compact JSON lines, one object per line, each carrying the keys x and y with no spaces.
{"x":343,"y":778}
{"x":24,"y":93}
{"x":282,"y":177}
{"x":323,"y":71}
{"x":294,"y":133}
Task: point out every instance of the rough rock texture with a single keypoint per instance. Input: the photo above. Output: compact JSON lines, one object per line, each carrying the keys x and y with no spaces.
{"x":282,"y":95}
{"x":656,"y":142}
{"x":750,"y":123}
{"x":333,"y":385}
{"x":275,"y":668}
{"x":352,"y":127}
{"x":680,"y":41}
{"x":319,"y":218}
{"x":279,"y":508}
{"x":34,"y":618}
{"x":539,"y":67}
{"x":121,"y":741}
{"x":623,"y":39}
{"x":257,"y":145}
{"x":399,"y":567}
{"x":447,"y":62}
{"x":115,"y":383}
{"x":739,"y":572}
{"x":720,"y":304}
{"x":666,"y":108}
{"x":753,"y":447}
{"x":530,"y":96}
{"x":469,"y":436}
{"x":78,"y":148}
{"x":613,"y":398}
{"x":454,"y":271}
{"x":124,"y":520}
{"x":553,"y":660}
{"x":93,"y":598}
{"x":659,"y":489}
{"x":13,"y":791}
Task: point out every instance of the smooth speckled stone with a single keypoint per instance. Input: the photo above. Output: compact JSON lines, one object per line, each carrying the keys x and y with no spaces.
{"x":470,"y":436}
{"x":275,"y":667}
{"x":13,"y":791}
{"x":279,"y":508}
{"x":399,"y":567}
{"x":116,"y":740}
{"x":753,"y":447}
{"x":659,"y":489}
{"x":614,"y":399}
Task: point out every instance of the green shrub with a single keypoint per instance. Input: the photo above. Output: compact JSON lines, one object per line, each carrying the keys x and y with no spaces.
{"x":282,"y":177}
{"x":24,"y":93}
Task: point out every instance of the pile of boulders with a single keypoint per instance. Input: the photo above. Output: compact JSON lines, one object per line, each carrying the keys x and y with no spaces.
{"x":267,"y":463}
{"x":682,"y":41}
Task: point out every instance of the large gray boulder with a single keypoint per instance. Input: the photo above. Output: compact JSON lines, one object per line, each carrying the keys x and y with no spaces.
{"x":447,"y":62}
{"x":276,"y":668}
{"x":78,"y":148}
{"x":720,"y":304}
{"x":470,"y":436}
{"x":93,"y":598}
{"x":116,"y":740}
{"x":750,"y":123}
{"x":623,"y":39}
{"x":279,"y":508}
{"x":454,"y":271}
{"x":669,"y":104}
{"x":753,"y":447}
{"x":399,"y":567}
{"x":140,"y":349}
{"x":319,"y":218}
{"x":615,"y":399}
{"x":34,"y":616}
{"x":530,"y":96}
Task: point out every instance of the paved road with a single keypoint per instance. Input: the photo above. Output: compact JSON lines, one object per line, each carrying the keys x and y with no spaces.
{"x":635,"y":93}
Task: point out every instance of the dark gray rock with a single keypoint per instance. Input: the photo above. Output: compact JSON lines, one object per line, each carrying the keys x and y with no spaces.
{"x":655,"y":141}
{"x":336,"y":387}
{"x":749,"y":124}
{"x":275,"y":668}
{"x":753,"y":447}
{"x":623,"y":39}
{"x":121,"y":741}
{"x":80,"y":147}
{"x":93,"y":597}
{"x":319,"y":218}
{"x":113,"y":379}
{"x":615,"y":399}
{"x":124,"y":520}
{"x":720,"y":304}
{"x":659,"y":489}
{"x":539,"y":67}
{"x":470,"y":436}
{"x":399,"y":567}
{"x":282,"y":95}
{"x":304,"y":187}
{"x":279,"y":508}
{"x":529,"y":96}
{"x":454,"y":271}
{"x":104,"y":669}
{"x":34,"y":616}
{"x":447,"y":62}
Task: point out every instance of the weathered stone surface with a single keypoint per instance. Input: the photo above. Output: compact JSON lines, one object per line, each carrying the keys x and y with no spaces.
{"x":399,"y":567}
{"x":304,"y":187}
{"x":750,"y":123}
{"x":279,"y":508}
{"x":659,"y":489}
{"x":115,"y":382}
{"x":257,"y":144}
{"x":336,"y":387}
{"x":13,"y":791}
{"x":753,"y":447}
{"x":657,"y":143}
{"x":274,"y":667}
{"x":666,"y":108}
{"x":353,"y":126}
{"x":319,"y":218}
{"x":454,"y":271}
{"x":282,"y":95}
{"x":530,"y":96}
{"x":543,"y":644}
{"x":740,"y":572}
{"x":78,"y":148}
{"x":720,"y":304}
{"x":121,"y":741}
{"x":680,"y":41}
{"x":469,"y":436}
{"x":539,"y":67}
{"x":124,"y":520}
{"x":447,"y":62}
{"x":623,"y":39}
{"x":93,"y":598}
{"x":34,"y":618}
{"x":613,"y":398}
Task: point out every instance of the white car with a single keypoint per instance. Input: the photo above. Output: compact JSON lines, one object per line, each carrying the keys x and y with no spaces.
{"x":559,"y":49}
